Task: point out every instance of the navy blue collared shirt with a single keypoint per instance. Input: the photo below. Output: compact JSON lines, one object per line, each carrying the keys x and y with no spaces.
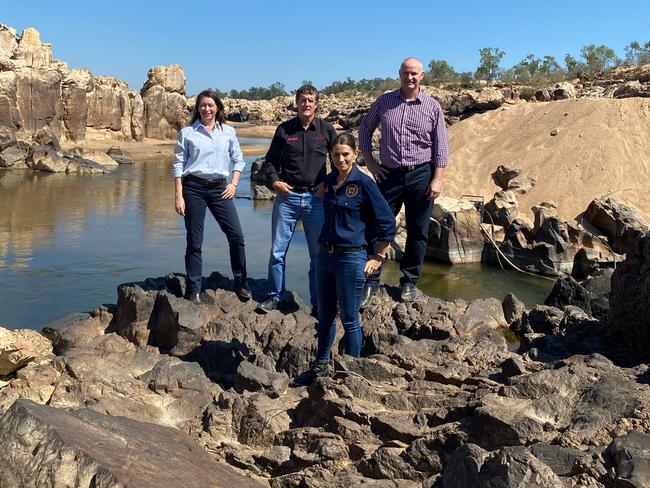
{"x":355,"y":213}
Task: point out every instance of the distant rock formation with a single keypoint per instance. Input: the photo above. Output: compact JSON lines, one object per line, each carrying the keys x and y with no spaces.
{"x":37,"y":91}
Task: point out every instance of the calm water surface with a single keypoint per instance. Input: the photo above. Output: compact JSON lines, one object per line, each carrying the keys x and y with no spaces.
{"x":67,"y":241}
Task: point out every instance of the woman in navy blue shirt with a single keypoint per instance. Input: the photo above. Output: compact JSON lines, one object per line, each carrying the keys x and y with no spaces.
{"x":355,"y":213}
{"x":204,"y":152}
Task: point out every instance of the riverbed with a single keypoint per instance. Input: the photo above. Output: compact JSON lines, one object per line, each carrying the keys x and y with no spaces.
{"x":67,"y":241}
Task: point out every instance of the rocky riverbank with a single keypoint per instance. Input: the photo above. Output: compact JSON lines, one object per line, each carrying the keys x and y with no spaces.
{"x":447,"y":394}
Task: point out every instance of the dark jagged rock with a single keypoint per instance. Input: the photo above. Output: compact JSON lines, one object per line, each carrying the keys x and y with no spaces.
{"x":438,"y":399}
{"x":629,"y":300}
{"x":564,"y":461}
{"x":177,"y":325}
{"x":249,"y":377}
{"x":120,"y":155}
{"x":631,"y":458}
{"x":620,"y":222}
{"x":568,"y":291}
{"x":502,"y":176}
{"x":513,"y":308}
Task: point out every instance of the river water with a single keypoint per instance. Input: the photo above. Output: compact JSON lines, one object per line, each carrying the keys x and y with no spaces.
{"x":67,"y":241}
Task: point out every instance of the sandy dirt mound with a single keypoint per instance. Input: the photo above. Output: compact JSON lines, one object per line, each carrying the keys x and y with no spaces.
{"x":601,"y":146}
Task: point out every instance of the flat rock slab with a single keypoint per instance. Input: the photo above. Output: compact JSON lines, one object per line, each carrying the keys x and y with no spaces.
{"x":45,"y":446}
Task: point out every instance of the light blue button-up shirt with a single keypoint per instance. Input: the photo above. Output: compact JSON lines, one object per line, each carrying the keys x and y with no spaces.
{"x":207,"y":155}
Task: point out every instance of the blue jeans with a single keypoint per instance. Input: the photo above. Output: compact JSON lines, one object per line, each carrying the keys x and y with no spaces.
{"x":340,"y":280}
{"x":287,"y":210}
{"x":197,"y":198}
{"x":409,"y":188}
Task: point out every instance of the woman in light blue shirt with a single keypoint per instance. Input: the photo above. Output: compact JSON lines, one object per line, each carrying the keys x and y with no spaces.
{"x":204,"y":151}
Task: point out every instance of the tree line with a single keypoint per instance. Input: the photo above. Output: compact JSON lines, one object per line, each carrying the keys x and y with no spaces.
{"x":531,"y":70}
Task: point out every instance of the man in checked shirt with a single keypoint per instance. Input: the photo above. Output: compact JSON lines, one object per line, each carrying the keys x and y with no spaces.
{"x":414,"y":151}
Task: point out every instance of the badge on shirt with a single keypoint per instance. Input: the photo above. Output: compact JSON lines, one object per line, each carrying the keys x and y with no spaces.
{"x":292,"y":138}
{"x":352,"y":190}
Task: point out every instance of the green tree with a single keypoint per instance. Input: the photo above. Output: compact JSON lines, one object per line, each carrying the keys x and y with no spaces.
{"x":527,"y":68}
{"x":632,"y":52}
{"x":440,"y":70}
{"x":573,"y":66}
{"x":488,"y":69}
{"x":598,"y":58}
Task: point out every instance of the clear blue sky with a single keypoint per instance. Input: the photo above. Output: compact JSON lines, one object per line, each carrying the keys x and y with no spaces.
{"x":238,"y":44}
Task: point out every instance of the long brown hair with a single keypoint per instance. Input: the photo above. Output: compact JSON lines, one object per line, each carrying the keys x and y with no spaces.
{"x":221,"y":115}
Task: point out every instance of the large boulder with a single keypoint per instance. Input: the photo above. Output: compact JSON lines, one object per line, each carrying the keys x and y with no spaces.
{"x":621,"y":223}
{"x":455,"y":233}
{"x":165,"y":108}
{"x":19,"y":347}
{"x":45,"y":446}
{"x":503,"y":208}
{"x":171,"y":78}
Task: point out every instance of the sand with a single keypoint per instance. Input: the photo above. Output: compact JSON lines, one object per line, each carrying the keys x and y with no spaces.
{"x":602,"y":147}
{"x":149,"y":149}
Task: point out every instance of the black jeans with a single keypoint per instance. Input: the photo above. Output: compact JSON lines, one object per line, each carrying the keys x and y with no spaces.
{"x":197,"y":198}
{"x":411,"y":189}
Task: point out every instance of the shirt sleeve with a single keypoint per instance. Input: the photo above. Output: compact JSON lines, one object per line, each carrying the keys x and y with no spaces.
{"x":180,"y":155}
{"x":236,"y":156}
{"x":380,"y":212}
{"x":368,"y":127}
{"x":440,"y":140}
{"x":331,"y":135}
{"x":274,"y":156}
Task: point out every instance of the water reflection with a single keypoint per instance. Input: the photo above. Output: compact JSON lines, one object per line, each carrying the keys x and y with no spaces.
{"x":66,"y":241}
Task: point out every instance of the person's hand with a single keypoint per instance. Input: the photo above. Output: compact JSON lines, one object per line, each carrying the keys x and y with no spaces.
{"x":282,"y":187}
{"x":319,"y":190}
{"x":229,"y":192}
{"x":435,"y":189}
{"x":373,"y":264}
{"x":378,"y":172}
{"x":180,"y":205}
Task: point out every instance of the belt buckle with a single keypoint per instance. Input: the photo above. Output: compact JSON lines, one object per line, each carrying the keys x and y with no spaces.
{"x":330,"y":249}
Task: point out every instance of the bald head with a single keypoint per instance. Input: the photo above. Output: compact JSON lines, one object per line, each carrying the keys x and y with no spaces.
{"x":410,"y":63}
{"x":410,"y":76}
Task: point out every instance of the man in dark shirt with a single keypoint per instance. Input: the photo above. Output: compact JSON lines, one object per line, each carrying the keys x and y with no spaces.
{"x":295,"y":165}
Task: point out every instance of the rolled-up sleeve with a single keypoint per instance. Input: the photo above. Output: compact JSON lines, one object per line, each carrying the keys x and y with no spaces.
{"x":368,"y":127}
{"x":180,"y":155}
{"x":236,"y":156}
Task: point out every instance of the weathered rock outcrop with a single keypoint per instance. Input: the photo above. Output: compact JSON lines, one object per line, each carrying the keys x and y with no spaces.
{"x":619,"y":222}
{"x":629,"y":300}
{"x":455,"y":233}
{"x":165,"y":106}
{"x":439,"y":398}
{"x":45,"y":446}
{"x":37,"y":91}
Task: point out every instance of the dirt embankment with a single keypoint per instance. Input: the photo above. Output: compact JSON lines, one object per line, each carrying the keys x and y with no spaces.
{"x":576,"y":150}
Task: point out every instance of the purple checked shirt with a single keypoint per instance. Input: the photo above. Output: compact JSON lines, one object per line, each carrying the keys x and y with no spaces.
{"x":412,"y":132}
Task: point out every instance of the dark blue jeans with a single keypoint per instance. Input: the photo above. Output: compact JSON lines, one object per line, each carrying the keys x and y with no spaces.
{"x":197,"y":199}
{"x":409,"y":188}
{"x":339,"y":280}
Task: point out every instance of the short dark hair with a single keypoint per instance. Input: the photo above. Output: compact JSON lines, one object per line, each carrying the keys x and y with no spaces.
{"x":307,"y":90}
{"x":346,"y":139}
{"x":210,"y":93}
